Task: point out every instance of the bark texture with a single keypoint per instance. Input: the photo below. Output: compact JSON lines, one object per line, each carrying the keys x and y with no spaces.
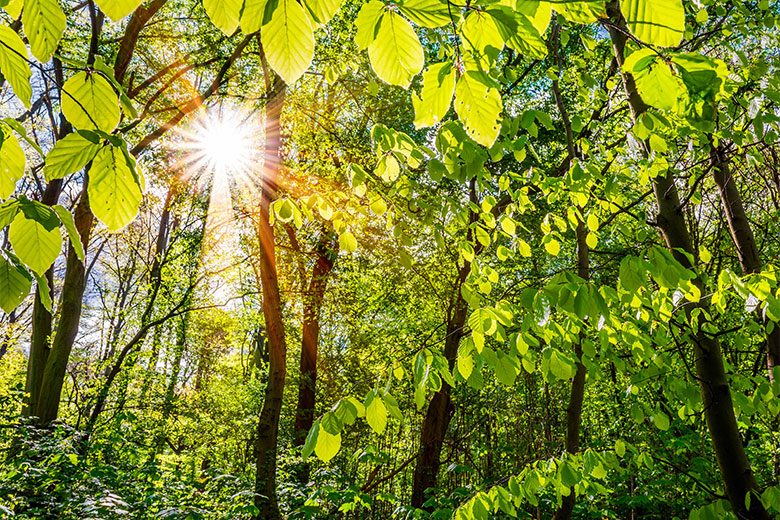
{"x":743,"y":237}
{"x":716,"y":395}
{"x":266,"y":439}
{"x":310,"y":337}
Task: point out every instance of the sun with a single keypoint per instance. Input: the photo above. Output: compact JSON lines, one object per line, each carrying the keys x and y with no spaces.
{"x":225,"y":142}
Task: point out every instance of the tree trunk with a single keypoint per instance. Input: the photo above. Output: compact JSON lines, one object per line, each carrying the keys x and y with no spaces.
{"x":716,"y":395}
{"x":439,"y":413}
{"x":744,"y":240}
{"x":577,"y":395}
{"x":574,"y":408}
{"x":41,"y":317}
{"x":48,"y":404}
{"x":155,"y":282}
{"x":266,"y":440}
{"x":310,"y":337}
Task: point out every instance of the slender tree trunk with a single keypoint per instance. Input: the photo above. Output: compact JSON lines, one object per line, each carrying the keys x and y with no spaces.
{"x":310,"y":338}
{"x":155,"y":281}
{"x":577,"y":394}
{"x":744,"y":240}
{"x":266,"y":440}
{"x":48,"y":403}
{"x":41,"y":317}
{"x":440,"y":409}
{"x":716,"y":395}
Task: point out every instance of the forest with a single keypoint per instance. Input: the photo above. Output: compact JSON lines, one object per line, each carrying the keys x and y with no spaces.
{"x":373,"y":259}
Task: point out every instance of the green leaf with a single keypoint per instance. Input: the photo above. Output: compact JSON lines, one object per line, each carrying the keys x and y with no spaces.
{"x":13,"y":66}
{"x":560,"y":367}
{"x":661,"y":421}
{"x":44,"y":23}
{"x":553,"y":247}
{"x":465,"y":361}
{"x":323,"y":10}
{"x":311,"y":440}
{"x":657,"y":22}
{"x":438,"y":86}
{"x":396,"y":54}
{"x":505,"y":369}
{"x":655,"y":82}
{"x":114,"y":193}
{"x":519,"y":32}
{"x":478,"y":104}
{"x":14,"y":8}
{"x":43,"y":290}
{"x":90,"y":102}
{"x":69,"y":155}
{"x":367,"y":23}
{"x":118,"y":9}
{"x":288,"y":39}
{"x":524,"y":248}
{"x":12,"y":162}
{"x":376,"y":413}
{"x":252,"y":16}
{"x":538,"y":13}
{"x":70,"y":226}
{"x":620,"y":448}
{"x":328,"y":445}
{"x":35,"y":245}
{"x":581,"y":12}
{"x":480,"y":32}
{"x":427,"y":13}
{"x":15,"y":284}
{"x":223,"y":14}
{"x":378,"y":205}
{"x":347,"y":242}
{"x":8,"y":211}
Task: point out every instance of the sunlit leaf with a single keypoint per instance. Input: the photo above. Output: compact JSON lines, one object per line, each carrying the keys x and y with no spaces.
{"x":13,"y":66}
{"x":12,"y":162}
{"x":36,"y":245}
{"x":15,"y":284}
{"x":90,"y":102}
{"x":118,"y":9}
{"x":288,"y":39}
{"x":69,"y":155}
{"x":224,"y":14}
{"x":114,"y":193}
{"x":657,"y":22}
{"x":478,"y":104}
{"x":44,"y":23}
{"x":438,"y":86}
{"x":396,"y":54}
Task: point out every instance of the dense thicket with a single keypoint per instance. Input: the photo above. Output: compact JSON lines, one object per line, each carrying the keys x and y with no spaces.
{"x":414,"y":259}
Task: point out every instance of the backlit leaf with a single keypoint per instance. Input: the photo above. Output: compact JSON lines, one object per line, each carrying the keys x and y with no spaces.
{"x":288,"y":39}
{"x":438,"y":86}
{"x":396,"y":54}
{"x":114,"y":193}
{"x":427,"y":13}
{"x":224,"y":14}
{"x":44,"y":22}
{"x":69,"y":155}
{"x":478,"y":104}
{"x":657,"y":22}
{"x":12,"y":162}
{"x":328,"y":445}
{"x":118,"y":9}
{"x":90,"y":102}
{"x":13,"y":66}
{"x":15,"y":284}
{"x":35,"y":245}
